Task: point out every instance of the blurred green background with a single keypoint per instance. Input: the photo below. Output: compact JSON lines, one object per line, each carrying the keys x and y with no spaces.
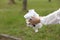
{"x":12,"y":20}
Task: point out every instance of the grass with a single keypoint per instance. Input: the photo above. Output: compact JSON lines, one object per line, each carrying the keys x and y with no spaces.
{"x":12,"y":20}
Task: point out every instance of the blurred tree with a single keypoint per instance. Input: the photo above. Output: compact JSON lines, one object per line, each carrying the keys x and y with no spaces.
{"x":19,"y":0}
{"x":11,"y":1}
{"x":24,"y":4}
{"x":49,"y":0}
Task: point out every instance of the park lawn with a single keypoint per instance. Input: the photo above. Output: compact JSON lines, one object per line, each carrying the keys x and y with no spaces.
{"x":12,"y":21}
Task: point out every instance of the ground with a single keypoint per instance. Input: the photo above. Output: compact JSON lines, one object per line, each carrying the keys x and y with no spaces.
{"x":12,"y":21}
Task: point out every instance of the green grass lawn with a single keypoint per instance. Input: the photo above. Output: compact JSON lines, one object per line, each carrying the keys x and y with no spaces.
{"x":12,"y":20}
